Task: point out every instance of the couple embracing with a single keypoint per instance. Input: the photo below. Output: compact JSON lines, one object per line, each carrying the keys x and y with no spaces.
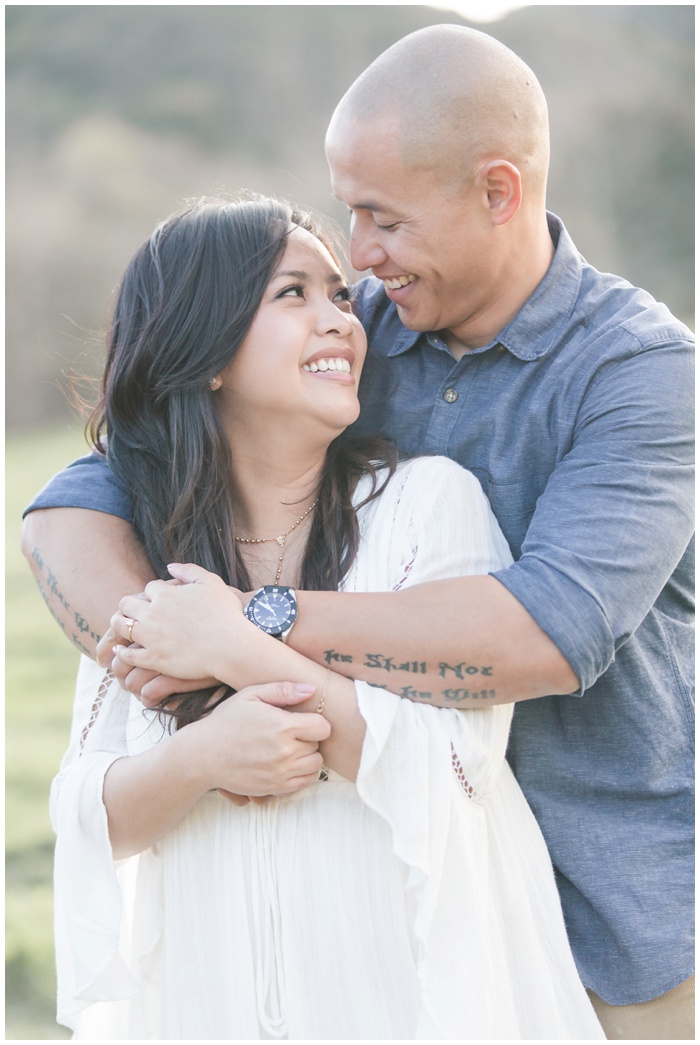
{"x":312,"y":830}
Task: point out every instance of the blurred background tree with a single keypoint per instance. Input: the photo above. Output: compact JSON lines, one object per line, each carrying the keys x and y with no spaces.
{"x":115,"y":114}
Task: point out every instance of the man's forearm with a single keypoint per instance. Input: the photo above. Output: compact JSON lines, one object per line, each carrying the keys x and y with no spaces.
{"x":80,"y":584}
{"x":465,"y":642}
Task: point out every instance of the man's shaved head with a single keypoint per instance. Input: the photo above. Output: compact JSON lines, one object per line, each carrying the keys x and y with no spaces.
{"x":440,"y":151}
{"x":456,"y":97}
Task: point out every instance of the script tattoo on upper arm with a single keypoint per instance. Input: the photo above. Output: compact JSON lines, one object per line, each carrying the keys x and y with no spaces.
{"x":463,"y":669}
{"x":331,"y":655}
{"x":71,"y":623}
{"x":384,"y":663}
{"x":380,"y":662}
{"x":459,"y":695}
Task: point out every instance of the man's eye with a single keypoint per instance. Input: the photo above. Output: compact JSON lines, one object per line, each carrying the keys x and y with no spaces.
{"x":393,"y":225}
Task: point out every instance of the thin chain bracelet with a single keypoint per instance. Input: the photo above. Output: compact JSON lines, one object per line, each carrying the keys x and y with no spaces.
{"x":323,"y":775}
{"x":322,"y":703}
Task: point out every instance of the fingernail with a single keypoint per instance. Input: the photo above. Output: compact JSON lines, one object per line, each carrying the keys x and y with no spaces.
{"x":117,"y":649}
{"x":304,"y":689}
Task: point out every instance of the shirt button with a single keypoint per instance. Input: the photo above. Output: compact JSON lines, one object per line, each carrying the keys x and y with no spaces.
{"x":450,"y":396}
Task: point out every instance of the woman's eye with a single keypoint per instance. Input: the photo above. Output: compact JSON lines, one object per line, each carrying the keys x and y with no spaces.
{"x":342,"y":297}
{"x":296,"y":291}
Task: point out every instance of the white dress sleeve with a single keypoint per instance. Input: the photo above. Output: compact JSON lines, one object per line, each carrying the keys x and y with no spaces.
{"x":491,"y":950}
{"x":95,"y":946}
{"x":434,"y":522}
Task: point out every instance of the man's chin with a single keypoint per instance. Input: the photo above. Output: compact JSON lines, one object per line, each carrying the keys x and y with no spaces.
{"x":411,"y":320}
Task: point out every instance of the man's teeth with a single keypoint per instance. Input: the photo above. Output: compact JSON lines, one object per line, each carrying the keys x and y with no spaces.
{"x":328,"y":364}
{"x":397,"y":282}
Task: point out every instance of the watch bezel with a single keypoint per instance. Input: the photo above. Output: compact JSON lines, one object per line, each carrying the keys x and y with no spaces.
{"x":285,"y":626}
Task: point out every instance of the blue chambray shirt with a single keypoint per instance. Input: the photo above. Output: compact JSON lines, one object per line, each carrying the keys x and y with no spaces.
{"x":577,"y":422}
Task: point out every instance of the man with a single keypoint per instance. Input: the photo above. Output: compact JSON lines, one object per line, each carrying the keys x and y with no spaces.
{"x":568,"y":394}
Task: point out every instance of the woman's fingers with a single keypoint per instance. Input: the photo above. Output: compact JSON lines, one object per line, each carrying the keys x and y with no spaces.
{"x":237,"y":800}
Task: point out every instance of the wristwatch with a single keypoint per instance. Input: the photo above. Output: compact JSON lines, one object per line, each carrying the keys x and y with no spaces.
{"x":273,"y":608}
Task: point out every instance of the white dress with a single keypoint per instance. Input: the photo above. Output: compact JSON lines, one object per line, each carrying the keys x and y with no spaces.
{"x":418,"y":903}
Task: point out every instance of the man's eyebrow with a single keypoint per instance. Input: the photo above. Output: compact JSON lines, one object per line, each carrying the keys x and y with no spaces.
{"x":370,"y":205}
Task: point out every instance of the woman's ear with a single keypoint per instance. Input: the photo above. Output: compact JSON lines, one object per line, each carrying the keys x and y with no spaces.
{"x":503,"y":189}
{"x":216,"y":383}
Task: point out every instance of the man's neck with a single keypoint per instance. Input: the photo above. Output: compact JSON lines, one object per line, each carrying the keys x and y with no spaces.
{"x":521,"y":275}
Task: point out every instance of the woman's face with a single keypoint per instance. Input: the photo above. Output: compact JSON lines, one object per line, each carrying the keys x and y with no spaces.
{"x":303,"y":355}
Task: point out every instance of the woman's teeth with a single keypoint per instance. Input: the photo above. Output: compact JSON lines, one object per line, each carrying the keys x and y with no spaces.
{"x":328,"y":364}
{"x":397,"y":282}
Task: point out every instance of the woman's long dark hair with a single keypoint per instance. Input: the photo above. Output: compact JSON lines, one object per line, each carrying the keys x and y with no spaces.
{"x":184,"y":305}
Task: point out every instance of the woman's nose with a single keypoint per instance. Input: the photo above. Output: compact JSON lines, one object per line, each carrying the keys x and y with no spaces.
{"x":337,"y":319}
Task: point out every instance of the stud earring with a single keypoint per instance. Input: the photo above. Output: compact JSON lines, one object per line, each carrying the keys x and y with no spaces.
{"x":215,"y":383}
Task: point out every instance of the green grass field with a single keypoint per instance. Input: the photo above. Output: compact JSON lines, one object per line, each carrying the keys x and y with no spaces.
{"x":40,"y":670}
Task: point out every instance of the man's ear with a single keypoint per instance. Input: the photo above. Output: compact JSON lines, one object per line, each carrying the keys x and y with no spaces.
{"x":502,"y":188}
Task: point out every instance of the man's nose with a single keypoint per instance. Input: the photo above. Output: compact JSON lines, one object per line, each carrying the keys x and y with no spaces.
{"x":365,"y":249}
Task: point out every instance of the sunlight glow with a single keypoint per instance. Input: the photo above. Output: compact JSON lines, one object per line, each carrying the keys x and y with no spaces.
{"x":480,"y":10}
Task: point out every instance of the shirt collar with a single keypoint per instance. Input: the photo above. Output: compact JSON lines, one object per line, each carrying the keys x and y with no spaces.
{"x":536,"y":328}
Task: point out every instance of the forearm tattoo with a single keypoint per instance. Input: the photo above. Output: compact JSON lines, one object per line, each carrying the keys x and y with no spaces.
{"x":462,"y":671}
{"x":72,"y":623}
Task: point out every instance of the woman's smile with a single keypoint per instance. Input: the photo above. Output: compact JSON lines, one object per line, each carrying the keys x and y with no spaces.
{"x":304,"y":326}
{"x":336,"y":364}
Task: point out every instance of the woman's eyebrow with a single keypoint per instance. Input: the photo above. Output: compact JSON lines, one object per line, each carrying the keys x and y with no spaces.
{"x":293,"y":274}
{"x":304,"y":277}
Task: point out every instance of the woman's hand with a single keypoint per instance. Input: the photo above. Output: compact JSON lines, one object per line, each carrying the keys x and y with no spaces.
{"x":178,"y":628}
{"x":254,"y":744}
{"x":198,"y":628}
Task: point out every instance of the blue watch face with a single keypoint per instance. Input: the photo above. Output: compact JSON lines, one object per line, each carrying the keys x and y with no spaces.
{"x":273,"y":609}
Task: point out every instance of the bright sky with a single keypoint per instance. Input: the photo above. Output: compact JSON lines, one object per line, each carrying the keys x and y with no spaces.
{"x":472,"y":10}
{"x":480,"y":10}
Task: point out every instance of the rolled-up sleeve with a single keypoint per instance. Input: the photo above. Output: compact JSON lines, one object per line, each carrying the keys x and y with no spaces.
{"x":616,"y":515}
{"x":86,"y":483}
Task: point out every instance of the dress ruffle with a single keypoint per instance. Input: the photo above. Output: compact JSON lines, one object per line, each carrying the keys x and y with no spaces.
{"x":491,"y":950}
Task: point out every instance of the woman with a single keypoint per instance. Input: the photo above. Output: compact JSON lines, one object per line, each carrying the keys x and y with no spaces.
{"x":403,"y":891}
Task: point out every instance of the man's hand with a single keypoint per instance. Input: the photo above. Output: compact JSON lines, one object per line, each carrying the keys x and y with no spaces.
{"x":150,"y":687}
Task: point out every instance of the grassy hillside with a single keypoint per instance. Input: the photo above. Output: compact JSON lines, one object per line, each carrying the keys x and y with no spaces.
{"x":40,"y":671}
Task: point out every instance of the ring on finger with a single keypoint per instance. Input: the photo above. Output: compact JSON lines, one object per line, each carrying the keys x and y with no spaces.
{"x":129,"y":628}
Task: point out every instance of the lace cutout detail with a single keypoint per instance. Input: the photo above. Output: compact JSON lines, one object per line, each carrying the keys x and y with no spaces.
{"x":414,"y":551}
{"x":461,"y":776}
{"x":406,"y":571}
{"x":95,"y":709}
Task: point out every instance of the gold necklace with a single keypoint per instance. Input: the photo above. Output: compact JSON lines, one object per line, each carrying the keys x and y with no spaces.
{"x":280,"y":540}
